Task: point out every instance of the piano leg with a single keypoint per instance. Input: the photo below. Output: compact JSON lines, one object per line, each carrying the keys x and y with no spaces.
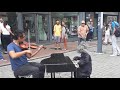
{"x":72,"y":74}
{"x":52,"y":74}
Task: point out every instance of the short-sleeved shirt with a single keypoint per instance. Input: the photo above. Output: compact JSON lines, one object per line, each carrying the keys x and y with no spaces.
{"x":5,"y":30}
{"x":1,"y":26}
{"x":57,"y":30}
{"x":113,"y":26}
{"x":17,"y":62}
{"x":82,"y":30}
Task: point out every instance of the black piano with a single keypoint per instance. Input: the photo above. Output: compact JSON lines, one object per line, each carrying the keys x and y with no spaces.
{"x":58,"y":63}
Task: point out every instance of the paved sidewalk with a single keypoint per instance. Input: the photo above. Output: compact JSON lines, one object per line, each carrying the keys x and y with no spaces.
{"x":103,"y":65}
{"x":47,"y":52}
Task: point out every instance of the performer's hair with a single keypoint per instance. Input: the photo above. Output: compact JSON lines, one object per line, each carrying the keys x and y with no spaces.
{"x":18,"y":33}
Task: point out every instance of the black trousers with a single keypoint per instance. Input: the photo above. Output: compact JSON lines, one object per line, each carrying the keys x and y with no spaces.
{"x":89,"y":36}
{"x":6,"y":40}
{"x":37,"y":70}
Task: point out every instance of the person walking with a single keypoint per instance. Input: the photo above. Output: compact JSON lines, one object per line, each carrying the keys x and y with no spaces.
{"x":1,"y":26}
{"x":64,"y":35}
{"x":6,"y":36}
{"x":107,"y":39}
{"x":82,"y":32}
{"x":115,"y":48}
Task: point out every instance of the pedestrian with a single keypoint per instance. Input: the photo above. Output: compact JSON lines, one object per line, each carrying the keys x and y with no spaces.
{"x":18,"y":58}
{"x":107,"y":39}
{"x":115,"y":48}
{"x":90,"y":33}
{"x":64,"y":35}
{"x":6,"y":36}
{"x":1,"y":26}
{"x":57,"y":34}
{"x":82,"y":32}
{"x":91,"y":30}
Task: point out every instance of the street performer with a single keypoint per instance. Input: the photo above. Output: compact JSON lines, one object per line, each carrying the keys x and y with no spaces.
{"x":18,"y":58}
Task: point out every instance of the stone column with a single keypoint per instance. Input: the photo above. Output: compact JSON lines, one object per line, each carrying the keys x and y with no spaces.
{"x":20,"y":21}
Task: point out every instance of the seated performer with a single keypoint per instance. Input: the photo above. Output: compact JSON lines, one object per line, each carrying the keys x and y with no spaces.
{"x":18,"y":58}
{"x":85,"y":64}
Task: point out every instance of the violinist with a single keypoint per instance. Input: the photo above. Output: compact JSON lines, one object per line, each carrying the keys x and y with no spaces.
{"x":18,"y":58}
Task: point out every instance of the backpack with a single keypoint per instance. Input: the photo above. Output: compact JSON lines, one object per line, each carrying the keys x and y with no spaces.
{"x":117,"y":32}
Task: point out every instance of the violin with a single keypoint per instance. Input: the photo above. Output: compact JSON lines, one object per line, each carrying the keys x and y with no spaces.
{"x":25,"y":45}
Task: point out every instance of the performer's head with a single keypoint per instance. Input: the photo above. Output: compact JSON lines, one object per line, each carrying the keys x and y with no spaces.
{"x":81,"y":48}
{"x":19,"y":35}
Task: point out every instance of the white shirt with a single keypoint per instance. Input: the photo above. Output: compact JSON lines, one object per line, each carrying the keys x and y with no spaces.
{"x":107,"y":32}
{"x":5,"y":31}
{"x":1,"y":25}
{"x":63,"y":33}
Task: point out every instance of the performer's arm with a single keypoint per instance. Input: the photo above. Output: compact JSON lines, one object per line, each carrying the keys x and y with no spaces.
{"x":31,"y":55}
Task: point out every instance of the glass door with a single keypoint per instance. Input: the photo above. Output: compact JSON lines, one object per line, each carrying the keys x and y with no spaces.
{"x":43,"y":27}
{"x":29,"y":24}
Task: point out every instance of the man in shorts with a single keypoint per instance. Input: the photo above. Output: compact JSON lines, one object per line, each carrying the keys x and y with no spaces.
{"x":57,"y":34}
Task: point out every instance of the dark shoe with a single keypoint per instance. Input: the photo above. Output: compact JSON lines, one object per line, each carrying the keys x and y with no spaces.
{"x":118,"y":54}
{"x":5,"y":52}
{"x":55,"y":48}
{"x":59,"y":48}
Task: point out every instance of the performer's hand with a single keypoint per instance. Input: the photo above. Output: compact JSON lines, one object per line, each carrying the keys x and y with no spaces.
{"x":28,"y":52}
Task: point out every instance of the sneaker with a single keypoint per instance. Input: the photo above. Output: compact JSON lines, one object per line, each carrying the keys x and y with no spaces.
{"x":118,"y":54}
{"x":65,"y":49}
{"x":113,"y":55}
{"x":3,"y":60}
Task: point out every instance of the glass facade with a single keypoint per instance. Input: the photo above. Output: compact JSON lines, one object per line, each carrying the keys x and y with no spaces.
{"x":29,"y":24}
{"x":41,"y":24}
{"x":70,"y":18}
{"x":38,"y":26}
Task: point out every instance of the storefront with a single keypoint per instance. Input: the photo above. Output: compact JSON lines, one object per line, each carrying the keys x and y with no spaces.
{"x":41,"y":24}
{"x":107,"y":17}
{"x":38,"y":23}
{"x":70,"y":18}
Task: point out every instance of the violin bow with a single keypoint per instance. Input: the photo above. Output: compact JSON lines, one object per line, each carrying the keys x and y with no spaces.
{"x":29,"y":39}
